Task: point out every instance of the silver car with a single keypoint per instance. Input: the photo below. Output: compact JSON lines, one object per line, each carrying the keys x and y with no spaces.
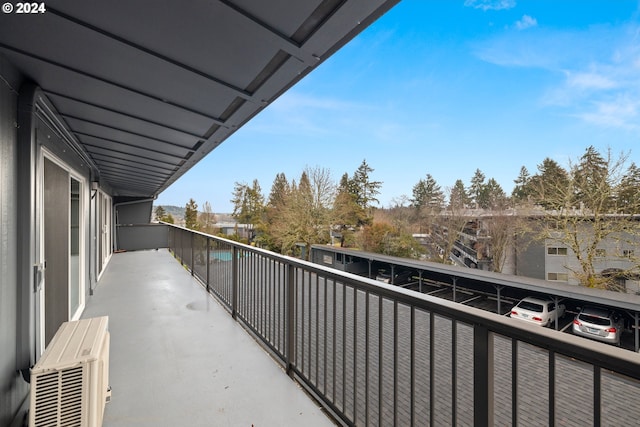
{"x":599,"y":324}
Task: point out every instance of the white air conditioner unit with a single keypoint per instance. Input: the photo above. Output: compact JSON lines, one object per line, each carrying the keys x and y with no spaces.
{"x":70,"y":382}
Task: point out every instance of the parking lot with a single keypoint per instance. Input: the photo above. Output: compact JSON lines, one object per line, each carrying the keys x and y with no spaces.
{"x":489,"y":302}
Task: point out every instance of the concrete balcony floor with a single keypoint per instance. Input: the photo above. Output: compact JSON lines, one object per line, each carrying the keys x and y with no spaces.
{"x":178,"y":358}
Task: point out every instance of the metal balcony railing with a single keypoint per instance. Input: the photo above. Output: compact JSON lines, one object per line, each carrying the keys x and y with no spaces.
{"x":374,"y":354}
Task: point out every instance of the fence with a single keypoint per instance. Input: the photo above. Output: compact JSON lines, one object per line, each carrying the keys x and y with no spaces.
{"x":378,"y":355}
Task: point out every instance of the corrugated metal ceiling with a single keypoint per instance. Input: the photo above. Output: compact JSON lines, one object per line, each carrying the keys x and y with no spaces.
{"x":149,"y":87}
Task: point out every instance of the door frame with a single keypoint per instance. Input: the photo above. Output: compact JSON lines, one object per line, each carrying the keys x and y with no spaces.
{"x":45,"y":153}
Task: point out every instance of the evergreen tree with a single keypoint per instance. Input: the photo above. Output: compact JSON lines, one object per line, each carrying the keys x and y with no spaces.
{"x":191,"y":215}
{"x":427,"y":202}
{"x":458,"y":197}
{"x":591,"y":185}
{"x":427,"y":194}
{"x":365,"y":190}
{"x":248,"y":203}
{"x":549,"y":186}
{"x":496,"y":198}
{"x":160,"y":213}
{"x":521,"y":191}
{"x":280,"y":190}
{"x":276,"y":204}
{"x":347,"y":214}
{"x":477,"y":190}
{"x":628,"y":191}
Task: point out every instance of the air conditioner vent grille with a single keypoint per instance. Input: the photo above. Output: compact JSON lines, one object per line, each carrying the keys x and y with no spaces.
{"x":70,"y":382}
{"x":58,"y":397}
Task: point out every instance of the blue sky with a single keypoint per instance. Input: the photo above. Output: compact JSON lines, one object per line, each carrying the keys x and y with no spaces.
{"x":444,"y":88}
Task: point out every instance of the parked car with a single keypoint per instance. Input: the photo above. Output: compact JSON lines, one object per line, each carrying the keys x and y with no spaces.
{"x":400,"y":276}
{"x":538,"y":311}
{"x":599,"y":323}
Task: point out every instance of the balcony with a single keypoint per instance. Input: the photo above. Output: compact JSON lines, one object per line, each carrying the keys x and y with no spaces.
{"x":178,"y":358}
{"x":369,"y":353}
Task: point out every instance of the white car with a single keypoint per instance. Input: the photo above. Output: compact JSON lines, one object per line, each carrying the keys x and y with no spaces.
{"x":540,"y":312}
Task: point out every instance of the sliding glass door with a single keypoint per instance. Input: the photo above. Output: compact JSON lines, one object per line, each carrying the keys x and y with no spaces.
{"x":63,"y":236}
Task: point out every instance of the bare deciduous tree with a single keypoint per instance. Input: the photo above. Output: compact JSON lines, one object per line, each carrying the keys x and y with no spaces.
{"x":585,"y":214}
{"x":207,"y":219}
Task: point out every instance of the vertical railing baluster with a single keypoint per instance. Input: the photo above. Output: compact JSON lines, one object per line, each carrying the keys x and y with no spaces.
{"x":552,"y":389}
{"x":366,"y":360}
{"x":395,"y":362}
{"x":344,"y":347}
{"x":278,"y":272}
{"x":482,"y":376}
{"x":271,"y":310}
{"x":234,"y":282}
{"x":192,"y":243}
{"x":317,"y":327}
{"x":636,"y":332}
{"x":454,"y":372}
{"x":432,"y":369}
{"x":310,"y":317}
{"x":514,"y":382}
{"x":208,"y":263}
{"x":355,"y":355}
{"x":324,"y":330}
{"x":597,"y":397}
{"x":335,"y":317}
{"x":412,"y":362}
{"x":302,"y":323}
{"x":290,"y":302}
{"x":380,"y":361}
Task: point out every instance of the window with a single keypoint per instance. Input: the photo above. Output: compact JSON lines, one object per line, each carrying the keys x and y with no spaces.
{"x":556,"y":251}
{"x":628,"y":253}
{"x":559,"y":277}
{"x":531,"y":306}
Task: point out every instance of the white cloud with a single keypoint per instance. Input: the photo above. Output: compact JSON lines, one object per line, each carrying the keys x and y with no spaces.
{"x":591,"y":74}
{"x":617,"y":113}
{"x":490,"y":4}
{"x":526,"y":22}
{"x":589,"y":80}
{"x":542,"y":49}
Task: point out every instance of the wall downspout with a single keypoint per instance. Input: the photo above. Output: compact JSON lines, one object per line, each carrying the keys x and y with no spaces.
{"x":30,"y":271}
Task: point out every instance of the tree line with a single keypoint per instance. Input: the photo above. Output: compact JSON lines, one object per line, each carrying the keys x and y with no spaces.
{"x":596,"y":198}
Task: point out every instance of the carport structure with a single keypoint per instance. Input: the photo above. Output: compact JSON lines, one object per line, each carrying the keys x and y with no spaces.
{"x":486,"y":282}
